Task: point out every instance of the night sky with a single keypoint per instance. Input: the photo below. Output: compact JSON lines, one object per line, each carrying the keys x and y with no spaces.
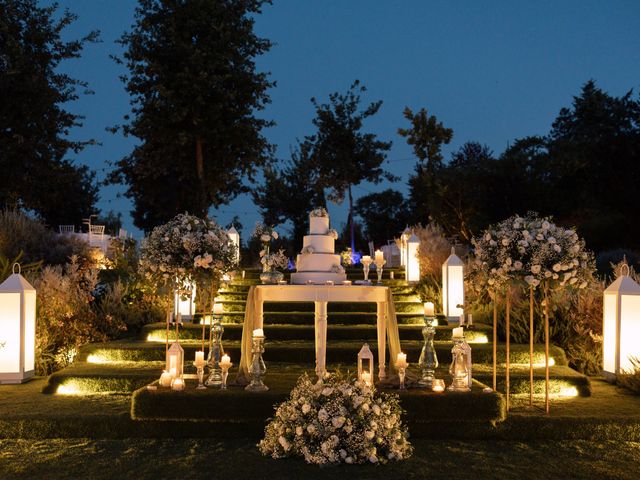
{"x":491,"y":71}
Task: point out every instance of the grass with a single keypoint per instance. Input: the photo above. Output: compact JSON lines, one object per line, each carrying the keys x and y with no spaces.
{"x":238,"y":459}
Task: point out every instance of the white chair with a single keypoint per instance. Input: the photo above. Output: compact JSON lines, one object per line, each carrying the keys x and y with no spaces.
{"x":65,"y":229}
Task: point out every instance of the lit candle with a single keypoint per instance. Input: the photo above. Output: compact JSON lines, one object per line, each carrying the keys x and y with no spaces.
{"x":392,"y":275}
{"x":329,"y":282}
{"x":401,"y":361}
{"x":258,"y":332}
{"x":165,"y":379}
{"x":366,"y":378}
{"x":173,"y":372}
{"x":438,"y":385}
{"x":458,"y":332}
{"x":470,"y":319}
{"x":217,"y":308}
{"x":429,"y":309}
{"x":243,"y":274}
{"x":365,"y":259}
{"x":173,"y":362}
{"x":199,"y":359}
{"x":346,"y":282}
{"x":177,"y":384}
{"x":379,"y":256}
{"x":225,"y":362}
{"x":282,"y":282}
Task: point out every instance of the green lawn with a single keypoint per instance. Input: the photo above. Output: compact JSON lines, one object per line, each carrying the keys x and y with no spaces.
{"x":235,"y":459}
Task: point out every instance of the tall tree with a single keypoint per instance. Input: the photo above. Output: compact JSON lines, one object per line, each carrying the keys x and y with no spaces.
{"x":195,"y":93}
{"x":384,"y":215}
{"x":345,"y":155}
{"x":37,"y":173}
{"x":288,"y":194}
{"x":427,"y":136}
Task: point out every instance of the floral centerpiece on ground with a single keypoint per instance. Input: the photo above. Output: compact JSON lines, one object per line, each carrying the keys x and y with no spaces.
{"x":338,"y":421}
{"x":185,"y":250}
{"x":270,"y":261}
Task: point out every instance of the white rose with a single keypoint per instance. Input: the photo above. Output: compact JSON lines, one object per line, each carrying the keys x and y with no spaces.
{"x":299,"y":430}
{"x":265,"y":238}
{"x":373,"y":459}
{"x":546,"y":225}
{"x":535,"y":269}
{"x":505,"y":241}
{"x":539,"y":236}
{"x":338,"y":422}
{"x":556,"y":267}
{"x":311,"y":429}
{"x":327,"y":391}
{"x":343,"y":453}
{"x":322,"y":415}
{"x":348,"y":428}
{"x":376,"y":409}
{"x":306,"y":408}
{"x":348,"y":460}
{"x":551,"y":240}
{"x":557,"y":248}
{"x":368,"y":434}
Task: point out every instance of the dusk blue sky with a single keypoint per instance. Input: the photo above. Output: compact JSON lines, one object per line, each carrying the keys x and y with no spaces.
{"x":493,"y":71}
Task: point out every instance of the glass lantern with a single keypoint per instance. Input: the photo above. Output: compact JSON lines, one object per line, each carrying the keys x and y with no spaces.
{"x":413,"y":265}
{"x":452,"y":286}
{"x":621,"y":328}
{"x":175,"y":360}
{"x":17,"y":328}
{"x":234,"y":236}
{"x":365,"y":365}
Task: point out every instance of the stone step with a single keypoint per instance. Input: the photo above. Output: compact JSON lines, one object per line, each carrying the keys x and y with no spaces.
{"x":333,"y":307}
{"x":304,"y":351}
{"x":366,"y":333}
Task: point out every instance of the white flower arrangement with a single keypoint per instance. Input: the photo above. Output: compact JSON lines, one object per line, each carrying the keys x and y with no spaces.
{"x":185,"y":249}
{"x":264,"y":233}
{"x":533,"y":250}
{"x":337,"y":422}
{"x":271,"y":261}
{"x":333,"y":233}
{"x":319,"y":212}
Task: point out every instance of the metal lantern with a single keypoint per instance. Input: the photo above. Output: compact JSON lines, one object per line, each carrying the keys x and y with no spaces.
{"x":621,"y":327}
{"x":175,"y":360}
{"x":234,"y":236}
{"x":365,"y":371}
{"x":184,"y":302}
{"x":413,"y":265}
{"x":452,"y":286}
{"x":17,"y":328}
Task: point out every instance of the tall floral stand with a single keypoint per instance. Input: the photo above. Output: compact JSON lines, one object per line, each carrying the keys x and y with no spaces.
{"x":508,"y":346}
{"x":546,"y":345}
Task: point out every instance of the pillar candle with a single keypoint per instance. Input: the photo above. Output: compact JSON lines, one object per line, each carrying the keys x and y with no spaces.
{"x":199,"y":359}
{"x":379,"y":256}
{"x":217,"y":309}
{"x":258,"y":332}
{"x":429,"y":309}
{"x":458,"y":332}
{"x":165,"y":379}
{"x":225,"y":361}
{"x":401,"y":361}
{"x":470,"y":319}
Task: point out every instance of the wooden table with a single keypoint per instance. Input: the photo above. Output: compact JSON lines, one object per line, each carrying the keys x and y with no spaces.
{"x":321,"y":295}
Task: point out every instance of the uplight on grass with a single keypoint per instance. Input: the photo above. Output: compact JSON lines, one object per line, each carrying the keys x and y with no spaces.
{"x":156,"y":337}
{"x":68,"y":389}
{"x":479,"y":339}
{"x":552,"y":362}
{"x":568,"y":392}
{"x":96,"y":358}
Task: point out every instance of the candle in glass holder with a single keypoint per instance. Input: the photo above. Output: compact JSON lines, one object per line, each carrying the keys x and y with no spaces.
{"x":469,"y":319}
{"x":217,"y":308}
{"x":392,"y":275}
{"x":366,"y":378}
{"x":379,"y":256}
{"x":429,"y":309}
{"x":438,"y":385}
{"x":258,"y":332}
{"x":282,"y":282}
{"x":401,"y":361}
{"x":243,"y":273}
{"x":366,"y":259}
{"x":199,"y":359}
{"x":173,"y":363}
{"x":458,"y":332}
{"x":225,"y":361}
{"x":177,"y":384}
{"x":165,"y":379}
{"x":346,"y":282}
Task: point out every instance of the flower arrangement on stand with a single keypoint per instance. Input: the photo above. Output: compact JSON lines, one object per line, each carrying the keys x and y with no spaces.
{"x":337,"y":421}
{"x":270,"y":260}
{"x":187,"y":250}
{"x":533,"y":252}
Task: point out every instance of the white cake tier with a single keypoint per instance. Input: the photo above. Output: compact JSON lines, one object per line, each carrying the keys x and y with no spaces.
{"x":318,"y":225}
{"x":316,"y":262}
{"x":302,"y":278}
{"x":319,"y":243}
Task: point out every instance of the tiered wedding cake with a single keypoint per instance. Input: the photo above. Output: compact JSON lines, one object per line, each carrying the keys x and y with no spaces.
{"x":317,"y":262}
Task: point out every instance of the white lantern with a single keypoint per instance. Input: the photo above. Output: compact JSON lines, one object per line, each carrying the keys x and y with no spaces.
{"x":365,"y":371}
{"x":413,"y":265}
{"x":175,"y":360}
{"x":17,"y":328}
{"x":452,"y":285}
{"x":403,"y":246}
{"x":184,"y":302}
{"x":621,"y":327}
{"x":234,"y":236}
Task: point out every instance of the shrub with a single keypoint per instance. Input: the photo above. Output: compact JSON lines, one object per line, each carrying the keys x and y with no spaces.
{"x":65,"y":318}
{"x":631,"y":379}
{"x":27,"y":238}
